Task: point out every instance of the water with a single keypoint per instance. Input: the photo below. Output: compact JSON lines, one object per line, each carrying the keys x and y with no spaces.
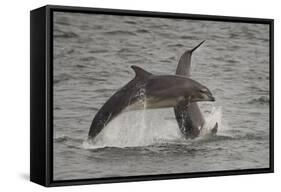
{"x":92,"y":59}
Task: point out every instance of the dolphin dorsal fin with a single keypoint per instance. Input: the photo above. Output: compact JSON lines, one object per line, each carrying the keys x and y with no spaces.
{"x":140,"y":73}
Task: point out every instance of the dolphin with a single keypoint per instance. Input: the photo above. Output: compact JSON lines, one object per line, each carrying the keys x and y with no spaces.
{"x":188,"y":115}
{"x":149,"y":91}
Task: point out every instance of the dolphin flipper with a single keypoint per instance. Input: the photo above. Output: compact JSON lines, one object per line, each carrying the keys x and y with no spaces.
{"x":189,"y":117}
{"x":215,"y":129}
{"x":118,"y":102}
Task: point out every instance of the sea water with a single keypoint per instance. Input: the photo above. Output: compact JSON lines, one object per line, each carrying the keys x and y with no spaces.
{"x":92,"y":59}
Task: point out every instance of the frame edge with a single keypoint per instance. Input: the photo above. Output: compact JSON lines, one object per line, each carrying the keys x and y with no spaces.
{"x":45,"y":50}
{"x":38,"y":96}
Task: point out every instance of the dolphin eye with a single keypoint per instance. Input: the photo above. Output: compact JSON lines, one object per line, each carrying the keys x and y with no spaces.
{"x":203,"y":90}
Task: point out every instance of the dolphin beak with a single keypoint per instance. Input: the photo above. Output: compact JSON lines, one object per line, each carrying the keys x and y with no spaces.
{"x":212,"y":98}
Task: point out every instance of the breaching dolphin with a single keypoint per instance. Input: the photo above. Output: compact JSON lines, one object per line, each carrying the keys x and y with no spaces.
{"x":150,"y":91}
{"x":189,"y":116}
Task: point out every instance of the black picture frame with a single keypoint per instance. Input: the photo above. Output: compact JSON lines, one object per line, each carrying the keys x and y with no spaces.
{"x":41,"y":92}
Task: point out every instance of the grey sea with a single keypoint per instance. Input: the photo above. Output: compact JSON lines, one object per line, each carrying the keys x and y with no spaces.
{"x":92,"y":58}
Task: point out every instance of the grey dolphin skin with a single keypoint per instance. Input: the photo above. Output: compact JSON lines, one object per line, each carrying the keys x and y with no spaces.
{"x":150,"y":91}
{"x":189,"y":116}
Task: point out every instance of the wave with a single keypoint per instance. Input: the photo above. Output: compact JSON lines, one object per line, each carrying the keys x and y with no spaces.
{"x":187,"y":37}
{"x":63,"y":34}
{"x":250,"y":136}
{"x":180,"y":143}
{"x":142,"y":31}
{"x":62,"y":77}
{"x":119,"y":32}
{"x":260,"y":100}
{"x":71,"y":142}
{"x":61,"y":139}
{"x":98,"y":51}
{"x":131,"y":22}
{"x":89,"y":58}
{"x":64,"y":138}
{"x":213,"y":138}
{"x":176,"y":45}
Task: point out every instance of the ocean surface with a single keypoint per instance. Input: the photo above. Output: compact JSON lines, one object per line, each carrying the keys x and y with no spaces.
{"x":92,"y":59}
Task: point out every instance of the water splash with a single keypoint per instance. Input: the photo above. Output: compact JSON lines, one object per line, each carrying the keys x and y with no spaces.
{"x":148,"y":127}
{"x":136,"y":128}
{"x":210,"y":121}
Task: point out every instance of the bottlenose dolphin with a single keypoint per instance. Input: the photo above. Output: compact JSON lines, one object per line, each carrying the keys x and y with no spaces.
{"x":189,"y":116}
{"x":150,"y":91}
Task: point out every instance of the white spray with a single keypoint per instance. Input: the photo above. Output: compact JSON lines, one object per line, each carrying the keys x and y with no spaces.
{"x":147,"y":127}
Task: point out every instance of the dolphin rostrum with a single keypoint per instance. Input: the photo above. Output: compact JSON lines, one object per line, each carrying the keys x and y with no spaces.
{"x":150,"y":91}
{"x":189,"y":116}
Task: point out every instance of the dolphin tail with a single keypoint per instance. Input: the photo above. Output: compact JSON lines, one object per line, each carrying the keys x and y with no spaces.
{"x":184,"y":63}
{"x":197,"y":46}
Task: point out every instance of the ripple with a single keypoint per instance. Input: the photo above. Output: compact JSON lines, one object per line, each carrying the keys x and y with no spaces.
{"x":130,"y":22}
{"x":260,"y":100}
{"x":63,"y":34}
{"x":62,"y":77}
{"x":119,"y":32}
{"x":250,"y":136}
{"x":88,"y":58}
{"x":98,"y":51}
{"x":142,"y":31}
{"x":176,"y":45}
{"x":61,"y":139}
{"x":186,"y":37}
{"x":64,"y":139}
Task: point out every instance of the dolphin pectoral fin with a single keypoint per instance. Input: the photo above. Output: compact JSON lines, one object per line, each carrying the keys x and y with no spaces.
{"x":214,"y":130}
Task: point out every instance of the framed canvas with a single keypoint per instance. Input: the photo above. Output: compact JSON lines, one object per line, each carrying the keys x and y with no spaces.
{"x":122,"y":95}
